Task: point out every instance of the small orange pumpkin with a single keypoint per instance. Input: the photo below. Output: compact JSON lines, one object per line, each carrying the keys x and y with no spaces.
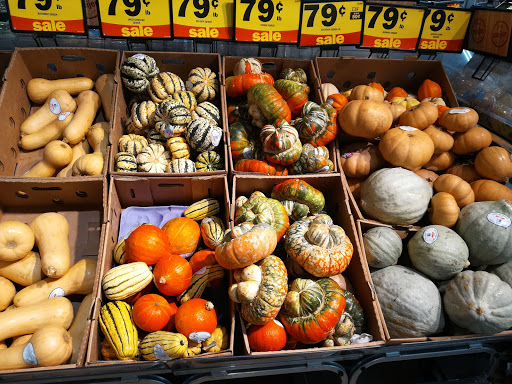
{"x":202,"y":259}
{"x":396,"y":92}
{"x":421,"y":116}
{"x":455,"y":186}
{"x":151,"y":313}
{"x":443,"y":141}
{"x":474,"y":140}
{"x":494,"y":163}
{"x":196,"y":315}
{"x":429,"y":88}
{"x":360,"y":159}
{"x":147,"y":243}
{"x":440,"y":161}
{"x":441,"y":109}
{"x":365,"y":92}
{"x":458,"y":119}
{"x":428,"y":176}
{"x":267,"y":337}
{"x":396,"y":110}
{"x":337,"y":100}
{"x":365,"y":118}
{"x":443,"y":210}
{"x":490,"y":190}
{"x":183,"y":234}
{"x":377,"y":86}
{"x":465,"y":171}
{"x":170,"y":327}
{"x":172,"y":275}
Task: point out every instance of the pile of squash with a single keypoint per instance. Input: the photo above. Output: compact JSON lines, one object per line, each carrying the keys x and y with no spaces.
{"x":38,"y":325}
{"x":273,"y":128}
{"x":63,"y":125}
{"x":165,"y":293}
{"x":287,"y":257}
{"x":173,"y":126}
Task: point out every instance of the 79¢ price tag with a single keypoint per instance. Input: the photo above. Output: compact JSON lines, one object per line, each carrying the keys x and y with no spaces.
{"x":391,"y":27}
{"x":135,"y":18}
{"x":203,"y":19}
{"x":444,"y":30}
{"x":331,"y":23}
{"x":267,"y":21}
{"x":48,"y":16}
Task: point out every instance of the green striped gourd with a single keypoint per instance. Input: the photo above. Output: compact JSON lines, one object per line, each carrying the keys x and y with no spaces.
{"x":173,"y":344}
{"x":207,"y":111}
{"x":187,"y":98}
{"x":281,"y":144}
{"x":208,"y":161}
{"x":131,"y":143}
{"x":117,"y":325}
{"x":296,"y":211}
{"x":153,"y":158}
{"x":155,"y":137}
{"x":125,"y":162}
{"x":354,"y":309}
{"x":298,"y":75}
{"x":125,"y":280}
{"x":136,"y":72}
{"x":300,"y":191}
{"x":203,"y":83}
{"x":181,"y":166}
{"x":313,"y":160}
{"x":203,"y":136}
{"x":164,"y":85}
{"x":199,"y":282}
{"x":314,"y":118}
{"x":212,"y":231}
{"x":202,"y":209}
{"x":178,"y":147}
{"x":143,"y":114}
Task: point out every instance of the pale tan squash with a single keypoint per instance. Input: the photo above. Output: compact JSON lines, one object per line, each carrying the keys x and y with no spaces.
{"x":79,"y":150}
{"x":3,"y":344}
{"x":56,"y":155}
{"x":7,"y":292}
{"x":105,"y":88}
{"x":16,"y":240}
{"x":61,"y":102}
{"x":92,"y":164}
{"x":52,"y":131}
{"x":39,"y":89}
{"x":25,"y":272}
{"x":88,"y":104}
{"x":18,"y":340}
{"x":51,"y":231}
{"x":78,"y":327}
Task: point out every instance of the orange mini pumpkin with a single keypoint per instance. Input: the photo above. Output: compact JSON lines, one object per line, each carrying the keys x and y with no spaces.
{"x":267,"y":337}
{"x":458,"y":119}
{"x":396,"y":110}
{"x":420,"y":116}
{"x":183,"y":235}
{"x":151,"y":313}
{"x":201,"y":259}
{"x":443,"y":141}
{"x":365,"y":92}
{"x":396,"y":92}
{"x":474,"y":140}
{"x":172,"y":275}
{"x":429,"y":88}
{"x":360,"y":159}
{"x":170,"y":327}
{"x":147,"y":243}
{"x":490,"y":190}
{"x":428,"y":176}
{"x":440,"y":161}
{"x":456,"y":187}
{"x":443,"y":210}
{"x":377,"y":86}
{"x":494,"y":163}
{"x":465,"y":171}
{"x":196,"y":315}
{"x":365,"y":118}
{"x":337,"y":100}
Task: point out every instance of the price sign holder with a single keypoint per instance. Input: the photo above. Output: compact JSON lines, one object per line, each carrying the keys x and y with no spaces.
{"x":388,"y":27}
{"x":267,"y":22}
{"x":444,"y":30}
{"x":330,"y":23}
{"x":203,"y":20}
{"x":47,"y":18}
{"x":135,"y":19}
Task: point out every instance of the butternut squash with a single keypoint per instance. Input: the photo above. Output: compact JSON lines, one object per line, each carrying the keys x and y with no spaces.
{"x":26,"y":271}
{"x":56,"y":155}
{"x":25,"y":320}
{"x":92,"y":164}
{"x":105,"y":88}
{"x":38,"y":89}
{"x":88,"y":105}
{"x":52,"y":131}
{"x":16,"y":240}
{"x":79,"y":150}
{"x":78,"y":328}
{"x":7,"y":292}
{"x":78,"y":280}
{"x":18,"y":340}
{"x":51,"y":231}
{"x":58,"y":102}
{"x":49,"y":346}
{"x":3,"y":344}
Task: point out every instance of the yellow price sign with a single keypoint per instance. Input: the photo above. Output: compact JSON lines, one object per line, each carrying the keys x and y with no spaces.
{"x":135,"y":18}
{"x":444,"y":30}
{"x":49,"y":16}
{"x":391,"y":27}
{"x":331,"y":23}
{"x":267,"y":21}
{"x":203,"y":19}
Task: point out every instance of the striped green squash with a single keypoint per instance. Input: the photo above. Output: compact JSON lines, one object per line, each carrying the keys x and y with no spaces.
{"x":131,"y":143}
{"x":125,"y":162}
{"x":125,"y":280}
{"x":202,"y":209}
{"x":136,"y":72}
{"x":143,"y":114}
{"x":155,"y":137}
{"x":178,"y":148}
{"x":207,"y":111}
{"x":208,"y":161}
{"x":212,"y":231}
{"x":300,"y":191}
{"x":117,"y":325}
{"x":203,"y":136}
{"x":203,"y":83}
{"x":187,"y":98}
{"x":173,"y":344}
{"x":181,"y":166}
{"x":164,"y":85}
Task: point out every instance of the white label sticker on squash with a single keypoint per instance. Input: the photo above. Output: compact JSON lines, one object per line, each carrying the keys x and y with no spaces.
{"x":186,"y":255}
{"x":54,"y":106}
{"x":323,"y":169}
{"x":160,"y":353}
{"x":139,"y":56}
{"x":407,"y":128}
{"x":29,"y":355}
{"x":63,"y":116}
{"x":430,"y":235}
{"x":188,"y":85}
{"x":216,"y":134}
{"x":499,"y":219}
{"x":57,"y":292}
{"x":201,"y":271}
{"x":247,"y":153}
{"x":168,"y":131}
{"x":207,"y":220}
{"x":459,"y":111}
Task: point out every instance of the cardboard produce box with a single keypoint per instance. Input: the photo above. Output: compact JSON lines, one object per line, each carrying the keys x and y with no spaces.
{"x":5,"y":59}
{"x":50,"y":64}
{"x":83,"y":206}
{"x":274,"y":66}
{"x":180,"y":64}
{"x":447,"y":334}
{"x":133,"y":192}
{"x":337,"y":206}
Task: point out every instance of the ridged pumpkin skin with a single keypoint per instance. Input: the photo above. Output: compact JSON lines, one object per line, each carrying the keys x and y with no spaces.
{"x":295,"y":94}
{"x":479,"y":301}
{"x":298,"y":75}
{"x":365,"y":118}
{"x":396,"y":111}
{"x":396,"y":92}
{"x":489,"y":190}
{"x":183,"y":235}
{"x":365,"y":92}
{"x":455,"y":186}
{"x":410,"y":303}
{"x":488,"y":243}
{"x":438,"y":252}
{"x":247,"y":65}
{"x":429,"y":88}
{"x":458,"y":119}
{"x":312,"y":309}
{"x":281,"y":144}
{"x":320,"y":247}
{"x":395,"y":196}
{"x":301,"y":192}
{"x":442,"y":140}
{"x":266,"y":105}
{"x":466,"y":172}
{"x":360,"y":159}
{"x":421,"y":116}
{"x":474,"y":140}
{"x":428,"y":176}
{"x":317,"y":124}
{"x":239,"y":85}
{"x":440,"y":162}
{"x":246,"y":244}
{"x":443,"y":210}
{"x":382,"y":246}
{"x":312,"y":159}
{"x":254,"y":165}
{"x":494,"y":163}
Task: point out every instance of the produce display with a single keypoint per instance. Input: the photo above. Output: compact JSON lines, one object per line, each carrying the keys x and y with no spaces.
{"x":174,"y":125}
{"x":36,"y":278}
{"x":274,"y":128}
{"x":64,"y":125}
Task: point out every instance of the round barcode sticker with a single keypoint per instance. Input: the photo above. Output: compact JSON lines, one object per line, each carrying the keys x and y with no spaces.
{"x":29,"y":355}
{"x":499,"y":219}
{"x":63,"y":116}
{"x":57,"y":292}
{"x":188,"y":85}
{"x":247,"y":153}
{"x":407,"y":128}
{"x":54,"y":106}
{"x":139,"y":56}
{"x":430,"y":235}
{"x":456,"y":111}
{"x":216,"y":134}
